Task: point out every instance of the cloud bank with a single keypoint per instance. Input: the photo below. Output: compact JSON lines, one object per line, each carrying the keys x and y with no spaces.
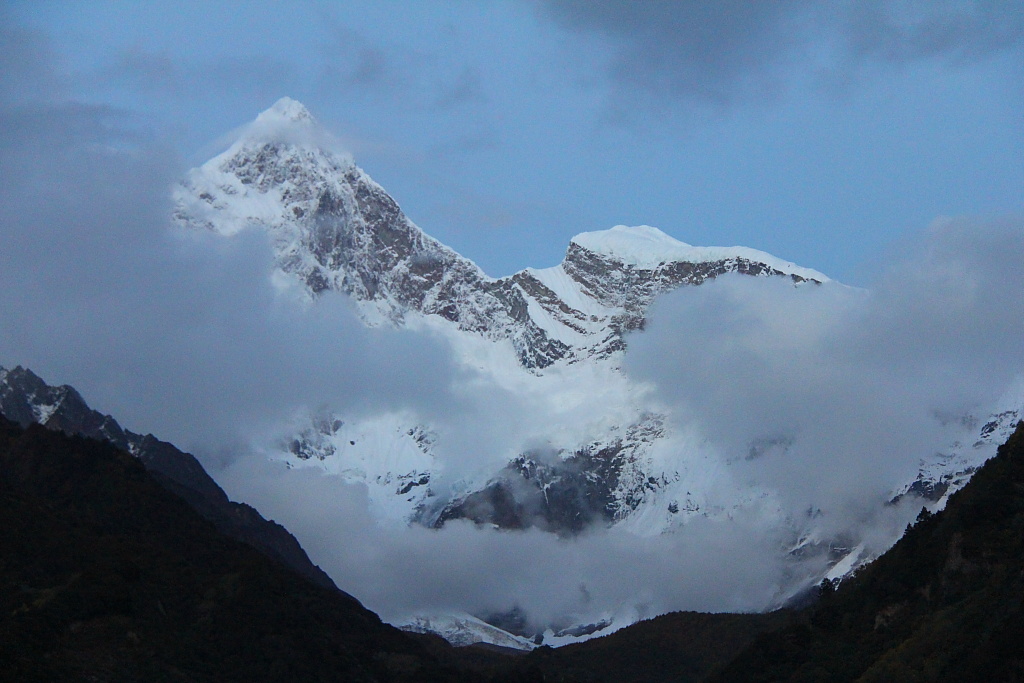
{"x":851,"y":387}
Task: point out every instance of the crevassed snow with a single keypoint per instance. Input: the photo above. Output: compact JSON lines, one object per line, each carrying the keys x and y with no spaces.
{"x":384,"y":452}
{"x":463,"y":629}
{"x":647,"y":247}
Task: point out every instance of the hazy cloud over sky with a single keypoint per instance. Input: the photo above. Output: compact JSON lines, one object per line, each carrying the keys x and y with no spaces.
{"x":736,"y":48}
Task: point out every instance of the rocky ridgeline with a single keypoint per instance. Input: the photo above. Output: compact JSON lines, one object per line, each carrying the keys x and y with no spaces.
{"x":334,"y":228}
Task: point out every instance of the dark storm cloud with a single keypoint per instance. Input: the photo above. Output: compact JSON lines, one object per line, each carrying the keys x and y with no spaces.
{"x":722,"y":51}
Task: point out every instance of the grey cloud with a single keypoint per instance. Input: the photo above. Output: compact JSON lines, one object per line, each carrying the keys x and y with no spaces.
{"x":695,"y":48}
{"x":899,"y":32}
{"x":401,"y":571}
{"x":467,"y":87}
{"x":720,"y":52}
{"x":350,"y":59}
{"x":25,"y":59}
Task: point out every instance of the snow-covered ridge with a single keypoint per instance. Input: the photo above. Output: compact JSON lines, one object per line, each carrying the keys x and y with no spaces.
{"x":646,"y":248}
{"x":334,"y":228}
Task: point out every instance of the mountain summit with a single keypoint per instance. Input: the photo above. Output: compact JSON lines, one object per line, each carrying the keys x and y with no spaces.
{"x":334,"y":228}
{"x":287,"y":109}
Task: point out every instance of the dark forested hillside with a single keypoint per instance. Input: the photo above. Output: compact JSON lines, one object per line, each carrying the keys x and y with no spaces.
{"x":107,"y":576}
{"x":944,"y":604}
{"x":25,"y":398}
{"x":682,"y":647}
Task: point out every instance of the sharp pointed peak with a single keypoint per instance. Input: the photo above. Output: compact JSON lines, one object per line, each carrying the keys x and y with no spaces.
{"x":286,"y":121}
{"x":287,"y":109}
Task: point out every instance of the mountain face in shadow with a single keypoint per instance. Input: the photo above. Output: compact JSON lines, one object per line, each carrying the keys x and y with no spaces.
{"x":944,"y":604}
{"x":107,"y":576}
{"x":26,"y":399}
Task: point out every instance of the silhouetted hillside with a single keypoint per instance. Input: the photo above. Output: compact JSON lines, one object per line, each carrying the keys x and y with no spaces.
{"x":681,"y":647}
{"x":106,"y":576}
{"x":944,"y":604}
{"x":26,"y":399}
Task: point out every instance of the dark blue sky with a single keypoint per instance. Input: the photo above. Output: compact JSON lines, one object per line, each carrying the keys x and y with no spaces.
{"x":824,"y":133}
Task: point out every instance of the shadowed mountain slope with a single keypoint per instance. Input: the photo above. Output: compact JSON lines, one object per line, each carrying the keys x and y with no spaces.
{"x":946,"y":603}
{"x":107,"y":576}
{"x":26,"y":399}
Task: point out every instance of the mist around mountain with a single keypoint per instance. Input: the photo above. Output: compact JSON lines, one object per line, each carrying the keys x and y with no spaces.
{"x":944,"y":604}
{"x":770,"y":443}
{"x":108,"y":576}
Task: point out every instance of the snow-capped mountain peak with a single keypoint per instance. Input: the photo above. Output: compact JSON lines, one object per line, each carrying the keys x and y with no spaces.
{"x":334,"y":228}
{"x":552,"y":337}
{"x":288,"y":109}
{"x":645,"y":247}
{"x":288,"y":122}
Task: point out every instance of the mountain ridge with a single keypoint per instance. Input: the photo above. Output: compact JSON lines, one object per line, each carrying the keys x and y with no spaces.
{"x":333,"y":227}
{"x":26,"y":399}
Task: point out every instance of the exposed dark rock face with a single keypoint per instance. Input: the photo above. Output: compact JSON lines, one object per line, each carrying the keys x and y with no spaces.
{"x":27,"y":399}
{"x":563,"y":494}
